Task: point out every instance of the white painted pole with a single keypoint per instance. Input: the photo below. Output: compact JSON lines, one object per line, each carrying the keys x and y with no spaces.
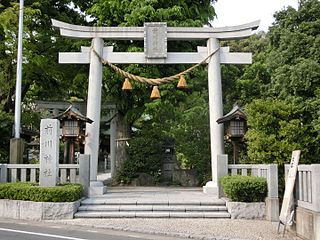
{"x":215,"y":112}
{"x":93,"y":107}
{"x":17,"y":109}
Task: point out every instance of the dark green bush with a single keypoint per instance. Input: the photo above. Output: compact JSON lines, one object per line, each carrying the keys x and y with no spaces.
{"x":244,"y":188}
{"x":33,"y":192}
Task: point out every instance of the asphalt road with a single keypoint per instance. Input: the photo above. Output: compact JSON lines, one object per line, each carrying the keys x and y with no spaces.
{"x":25,"y":230}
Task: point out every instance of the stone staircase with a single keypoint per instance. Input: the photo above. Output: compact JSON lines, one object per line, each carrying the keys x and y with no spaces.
{"x":153,"y":204}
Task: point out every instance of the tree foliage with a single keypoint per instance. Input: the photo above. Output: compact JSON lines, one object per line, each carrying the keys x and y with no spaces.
{"x":42,"y":76}
{"x":286,"y":116}
{"x":191,"y":132}
{"x":135,"y":105}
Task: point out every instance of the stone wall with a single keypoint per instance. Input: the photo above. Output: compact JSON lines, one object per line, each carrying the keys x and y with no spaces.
{"x":36,"y":211}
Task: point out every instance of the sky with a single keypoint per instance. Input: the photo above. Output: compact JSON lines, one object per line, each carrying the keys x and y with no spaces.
{"x":236,"y":12}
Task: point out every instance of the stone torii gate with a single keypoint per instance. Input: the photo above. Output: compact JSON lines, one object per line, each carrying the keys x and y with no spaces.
{"x":155,"y":36}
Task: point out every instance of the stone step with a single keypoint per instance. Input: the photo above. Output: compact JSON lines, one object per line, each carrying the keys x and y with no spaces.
{"x":149,"y":214}
{"x":117,"y":201}
{"x":153,"y":208}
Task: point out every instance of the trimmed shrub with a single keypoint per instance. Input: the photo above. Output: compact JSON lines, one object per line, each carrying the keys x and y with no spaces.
{"x":244,"y":188}
{"x":33,"y":192}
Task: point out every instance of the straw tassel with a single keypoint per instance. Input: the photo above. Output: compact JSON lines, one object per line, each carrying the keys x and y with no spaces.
{"x":155,"y":94}
{"x":182,"y":82}
{"x":126,"y":85}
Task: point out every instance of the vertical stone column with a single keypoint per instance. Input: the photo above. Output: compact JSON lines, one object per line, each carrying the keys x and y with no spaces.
{"x":84,"y":172}
{"x":113,"y":135}
{"x":94,"y":107}
{"x":16,"y":151}
{"x":49,"y":152}
{"x":215,"y":112}
{"x":93,"y":112}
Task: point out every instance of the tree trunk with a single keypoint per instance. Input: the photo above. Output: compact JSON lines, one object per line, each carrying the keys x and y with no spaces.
{"x":123,"y":134}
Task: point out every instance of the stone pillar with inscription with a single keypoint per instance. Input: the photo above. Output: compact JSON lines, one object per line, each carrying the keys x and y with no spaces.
{"x":49,"y":152}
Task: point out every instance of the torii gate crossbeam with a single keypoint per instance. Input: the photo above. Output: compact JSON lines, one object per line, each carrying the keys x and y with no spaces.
{"x":155,"y":36}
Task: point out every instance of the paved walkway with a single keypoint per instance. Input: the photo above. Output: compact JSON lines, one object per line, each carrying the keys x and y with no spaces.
{"x":156,"y":194}
{"x":217,"y":229}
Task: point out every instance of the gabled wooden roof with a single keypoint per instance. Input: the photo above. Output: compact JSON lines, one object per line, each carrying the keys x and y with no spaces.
{"x":235,"y":113}
{"x":73,"y":113}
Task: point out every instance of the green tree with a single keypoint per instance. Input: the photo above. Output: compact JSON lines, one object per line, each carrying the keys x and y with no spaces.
{"x":191,"y":133}
{"x":286,"y":116}
{"x":43,"y":77}
{"x":132,"y":105}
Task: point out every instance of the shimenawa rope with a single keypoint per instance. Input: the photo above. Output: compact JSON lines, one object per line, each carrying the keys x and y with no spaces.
{"x":151,"y":81}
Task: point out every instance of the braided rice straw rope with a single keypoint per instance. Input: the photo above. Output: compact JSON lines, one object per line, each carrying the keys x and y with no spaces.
{"x":151,"y":81}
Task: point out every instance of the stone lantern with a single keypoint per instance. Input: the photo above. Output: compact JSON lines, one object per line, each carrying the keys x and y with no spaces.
{"x":235,"y":123}
{"x":169,"y":162}
{"x":72,"y":124}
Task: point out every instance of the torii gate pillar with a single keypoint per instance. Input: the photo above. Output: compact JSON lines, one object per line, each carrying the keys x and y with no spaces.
{"x":94,"y":108}
{"x":215,"y":111}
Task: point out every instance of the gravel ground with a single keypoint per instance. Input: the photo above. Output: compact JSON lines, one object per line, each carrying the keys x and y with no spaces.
{"x":207,"y":229}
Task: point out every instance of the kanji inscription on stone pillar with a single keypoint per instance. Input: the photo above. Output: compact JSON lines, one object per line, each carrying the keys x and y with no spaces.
{"x":49,"y":152}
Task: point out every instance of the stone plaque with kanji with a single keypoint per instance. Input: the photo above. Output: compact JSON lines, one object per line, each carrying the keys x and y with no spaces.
{"x":155,"y":40}
{"x":49,"y":152}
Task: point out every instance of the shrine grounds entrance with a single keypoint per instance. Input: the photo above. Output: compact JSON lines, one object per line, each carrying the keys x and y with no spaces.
{"x":155,"y":37}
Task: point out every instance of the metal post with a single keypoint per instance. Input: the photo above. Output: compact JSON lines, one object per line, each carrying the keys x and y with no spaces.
{"x":17,"y":114}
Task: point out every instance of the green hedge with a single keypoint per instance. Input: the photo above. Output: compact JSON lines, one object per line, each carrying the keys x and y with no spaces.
{"x":33,"y":192}
{"x":244,"y":188}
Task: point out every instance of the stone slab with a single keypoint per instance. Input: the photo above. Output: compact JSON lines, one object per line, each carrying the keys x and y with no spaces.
{"x":94,"y":191}
{"x":99,"y":208}
{"x":272,"y":209}
{"x":135,"y":208}
{"x":105,"y":215}
{"x":16,"y":151}
{"x":9,"y":209}
{"x":242,"y":210}
{"x":307,"y":224}
{"x":28,"y":210}
{"x":186,"y":215}
{"x":52,"y":211}
{"x":152,"y":214}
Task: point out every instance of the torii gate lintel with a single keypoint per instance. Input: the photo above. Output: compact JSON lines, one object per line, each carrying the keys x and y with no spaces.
{"x":155,"y":36}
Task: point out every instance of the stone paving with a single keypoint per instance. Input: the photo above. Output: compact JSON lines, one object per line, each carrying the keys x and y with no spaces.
{"x":174,"y":195}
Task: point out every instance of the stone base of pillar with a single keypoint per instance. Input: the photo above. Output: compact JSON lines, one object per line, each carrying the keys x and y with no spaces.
{"x":272,"y":209}
{"x":212,"y":189}
{"x":16,"y":151}
{"x":96,"y":189}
